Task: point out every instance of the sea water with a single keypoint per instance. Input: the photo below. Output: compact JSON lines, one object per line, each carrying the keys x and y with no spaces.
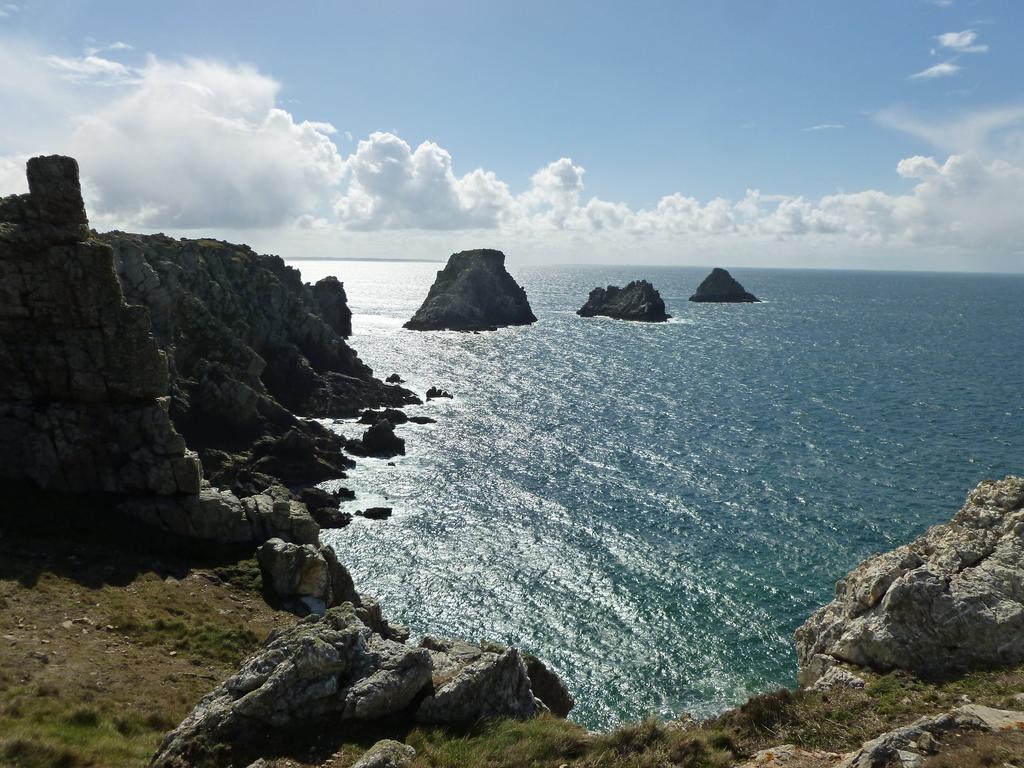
{"x":654,"y":508}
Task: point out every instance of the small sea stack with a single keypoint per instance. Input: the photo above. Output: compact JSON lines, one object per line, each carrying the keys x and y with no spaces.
{"x":637,"y":301}
{"x":474,"y":292}
{"x":722,"y":287}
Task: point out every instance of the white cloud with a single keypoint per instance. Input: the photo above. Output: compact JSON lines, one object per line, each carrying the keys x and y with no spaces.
{"x":199,"y":144}
{"x":824,"y":127}
{"x":91,"y":69}
{"x":962,"y":42}
{"x":942,"y":69}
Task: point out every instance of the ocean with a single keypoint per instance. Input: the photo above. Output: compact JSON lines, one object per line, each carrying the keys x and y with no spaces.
{"x":653,"y":509}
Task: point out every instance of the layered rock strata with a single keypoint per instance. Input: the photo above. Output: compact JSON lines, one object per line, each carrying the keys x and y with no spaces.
{"x":720,"y":286}
{"x":474,"y":292}
{"x":953,"y":600}
{"x":639,"y":300}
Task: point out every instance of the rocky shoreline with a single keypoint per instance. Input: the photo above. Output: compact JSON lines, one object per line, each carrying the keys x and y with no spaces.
{"x":171,"y":381}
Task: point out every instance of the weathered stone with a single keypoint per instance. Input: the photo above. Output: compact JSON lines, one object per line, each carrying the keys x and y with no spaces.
{"x":375,"y":513}
{"x":378,"y":440}
{"x":332,"y":668}
{"x":387,"y":754}
{"x":471,"y":684}
{"x":474,"y":292}
{"x":952,"y":600}
{"x":837,"y":677}
{"x":639,"y":300}
{"x":720,"y":286}
{"x":436,"y":392}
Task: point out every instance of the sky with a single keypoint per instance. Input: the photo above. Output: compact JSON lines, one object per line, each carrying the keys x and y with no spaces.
{"x":776,"y":133}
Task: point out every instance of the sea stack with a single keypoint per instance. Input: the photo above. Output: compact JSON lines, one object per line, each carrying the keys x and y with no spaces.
{"x":637,"y":301}
{"x":721,"y":286}
{"x":474,"y":292}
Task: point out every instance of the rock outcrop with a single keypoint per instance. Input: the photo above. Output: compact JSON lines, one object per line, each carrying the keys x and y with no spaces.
{"x":379,"y":440}
{"x":474,"y":292}
{"x":953,"y":600}
{"x":331,"y":668}
{"x":83,"y":395}
{"x":336,"y":671}
{"x":720,"y":286}
{"x":249,"y":346}
{"x":639,"y":300}
{"x":308,"y":576}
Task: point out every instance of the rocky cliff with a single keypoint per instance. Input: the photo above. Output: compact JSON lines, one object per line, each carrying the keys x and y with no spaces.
{"x":639,"y":300}
{"x":720,"y":286}
{"x":953,"y":600}
{"x":474,"y":292}
{"x":83,"y":396}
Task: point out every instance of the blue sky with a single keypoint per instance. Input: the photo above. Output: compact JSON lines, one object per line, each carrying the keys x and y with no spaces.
{"x":701,"y":101}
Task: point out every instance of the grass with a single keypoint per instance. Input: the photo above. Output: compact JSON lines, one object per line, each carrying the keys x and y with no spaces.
{"x":41,"y":729}
{"x":199,"y":640}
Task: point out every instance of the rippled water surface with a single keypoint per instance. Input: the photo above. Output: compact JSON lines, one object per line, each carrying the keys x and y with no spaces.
{"x":655,"y":508}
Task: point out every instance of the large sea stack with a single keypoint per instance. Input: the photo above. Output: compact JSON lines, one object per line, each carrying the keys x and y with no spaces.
{"x":723,"y":287}
{"x":474,"y":292}
{"x":639,"y":300}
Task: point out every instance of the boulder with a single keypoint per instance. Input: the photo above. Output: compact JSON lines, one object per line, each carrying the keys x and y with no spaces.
{"x":275,"y":514}
{"x":395,"y":416}
{"x":953,"y":600}
{"x":387,"y":754}
{"x":305,"y":575}
{"x":378,"y":440}
{"x":436,"y":392}
{"x":375,"y":513}
{"x":329,"y":671}
{"x":639,"y":300}
{"x":474,"y":292}
{"x":394,"y":378}
{"x":471,"y":684}
{"x":720,"y":286}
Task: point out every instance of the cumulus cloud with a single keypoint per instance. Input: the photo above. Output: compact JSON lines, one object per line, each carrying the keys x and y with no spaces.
{"x":199,"y":144}
{"x":942,"y":69}
{"x":962,"y":42}
{"x":392,"y":186}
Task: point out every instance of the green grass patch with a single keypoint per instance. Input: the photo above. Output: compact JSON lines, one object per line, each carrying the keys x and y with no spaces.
{"x":243,"y":575}
{"x":197,"y":639}
{"x":39,"y":730}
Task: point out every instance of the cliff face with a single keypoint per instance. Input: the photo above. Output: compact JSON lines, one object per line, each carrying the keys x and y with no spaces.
{"x":952,"y":600}
{"x":474,"y":292}
{"x":639,"y":300}
{"x":83,"y":396}
{"x":720,"y":286}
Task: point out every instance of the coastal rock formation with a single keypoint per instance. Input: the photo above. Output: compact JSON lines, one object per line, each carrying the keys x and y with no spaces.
{"x":248,"y":347}
{"x":474,"y":292}
{"x":720,"y":286}
{"x":436,"y":392}
{"x":378,"y":440}
{"x":305,"y":574}
{"x":952,"y":600}
{"x":83,"y":396}
{"x":472,"y":684}
{"x":639,"y":300}
{"x":335,"y":671}
{"x":330,"y":668}
{"x":387,"y":754}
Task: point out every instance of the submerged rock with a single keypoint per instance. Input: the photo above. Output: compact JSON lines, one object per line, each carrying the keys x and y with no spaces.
{"x":639,"y":300}
{"x":722,"y":287}
{"x":375,"y":513}
{"x":474,"y":292}
{"x":435,"y":392}
{"x":952,"y":600}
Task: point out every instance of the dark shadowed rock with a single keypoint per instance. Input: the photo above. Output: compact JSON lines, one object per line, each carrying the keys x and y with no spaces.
{"x":394,"y":378}
{"x":474,"y":292}
{"x":323,"y":507}
{"x":435,"y":392}
{"x":393,"y":415}
{"x":375,"y":513}
{"x":639,"y":300}
{"x":722,"y":287}
{"x":378,"y":440}
{"x":331,"y":303}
